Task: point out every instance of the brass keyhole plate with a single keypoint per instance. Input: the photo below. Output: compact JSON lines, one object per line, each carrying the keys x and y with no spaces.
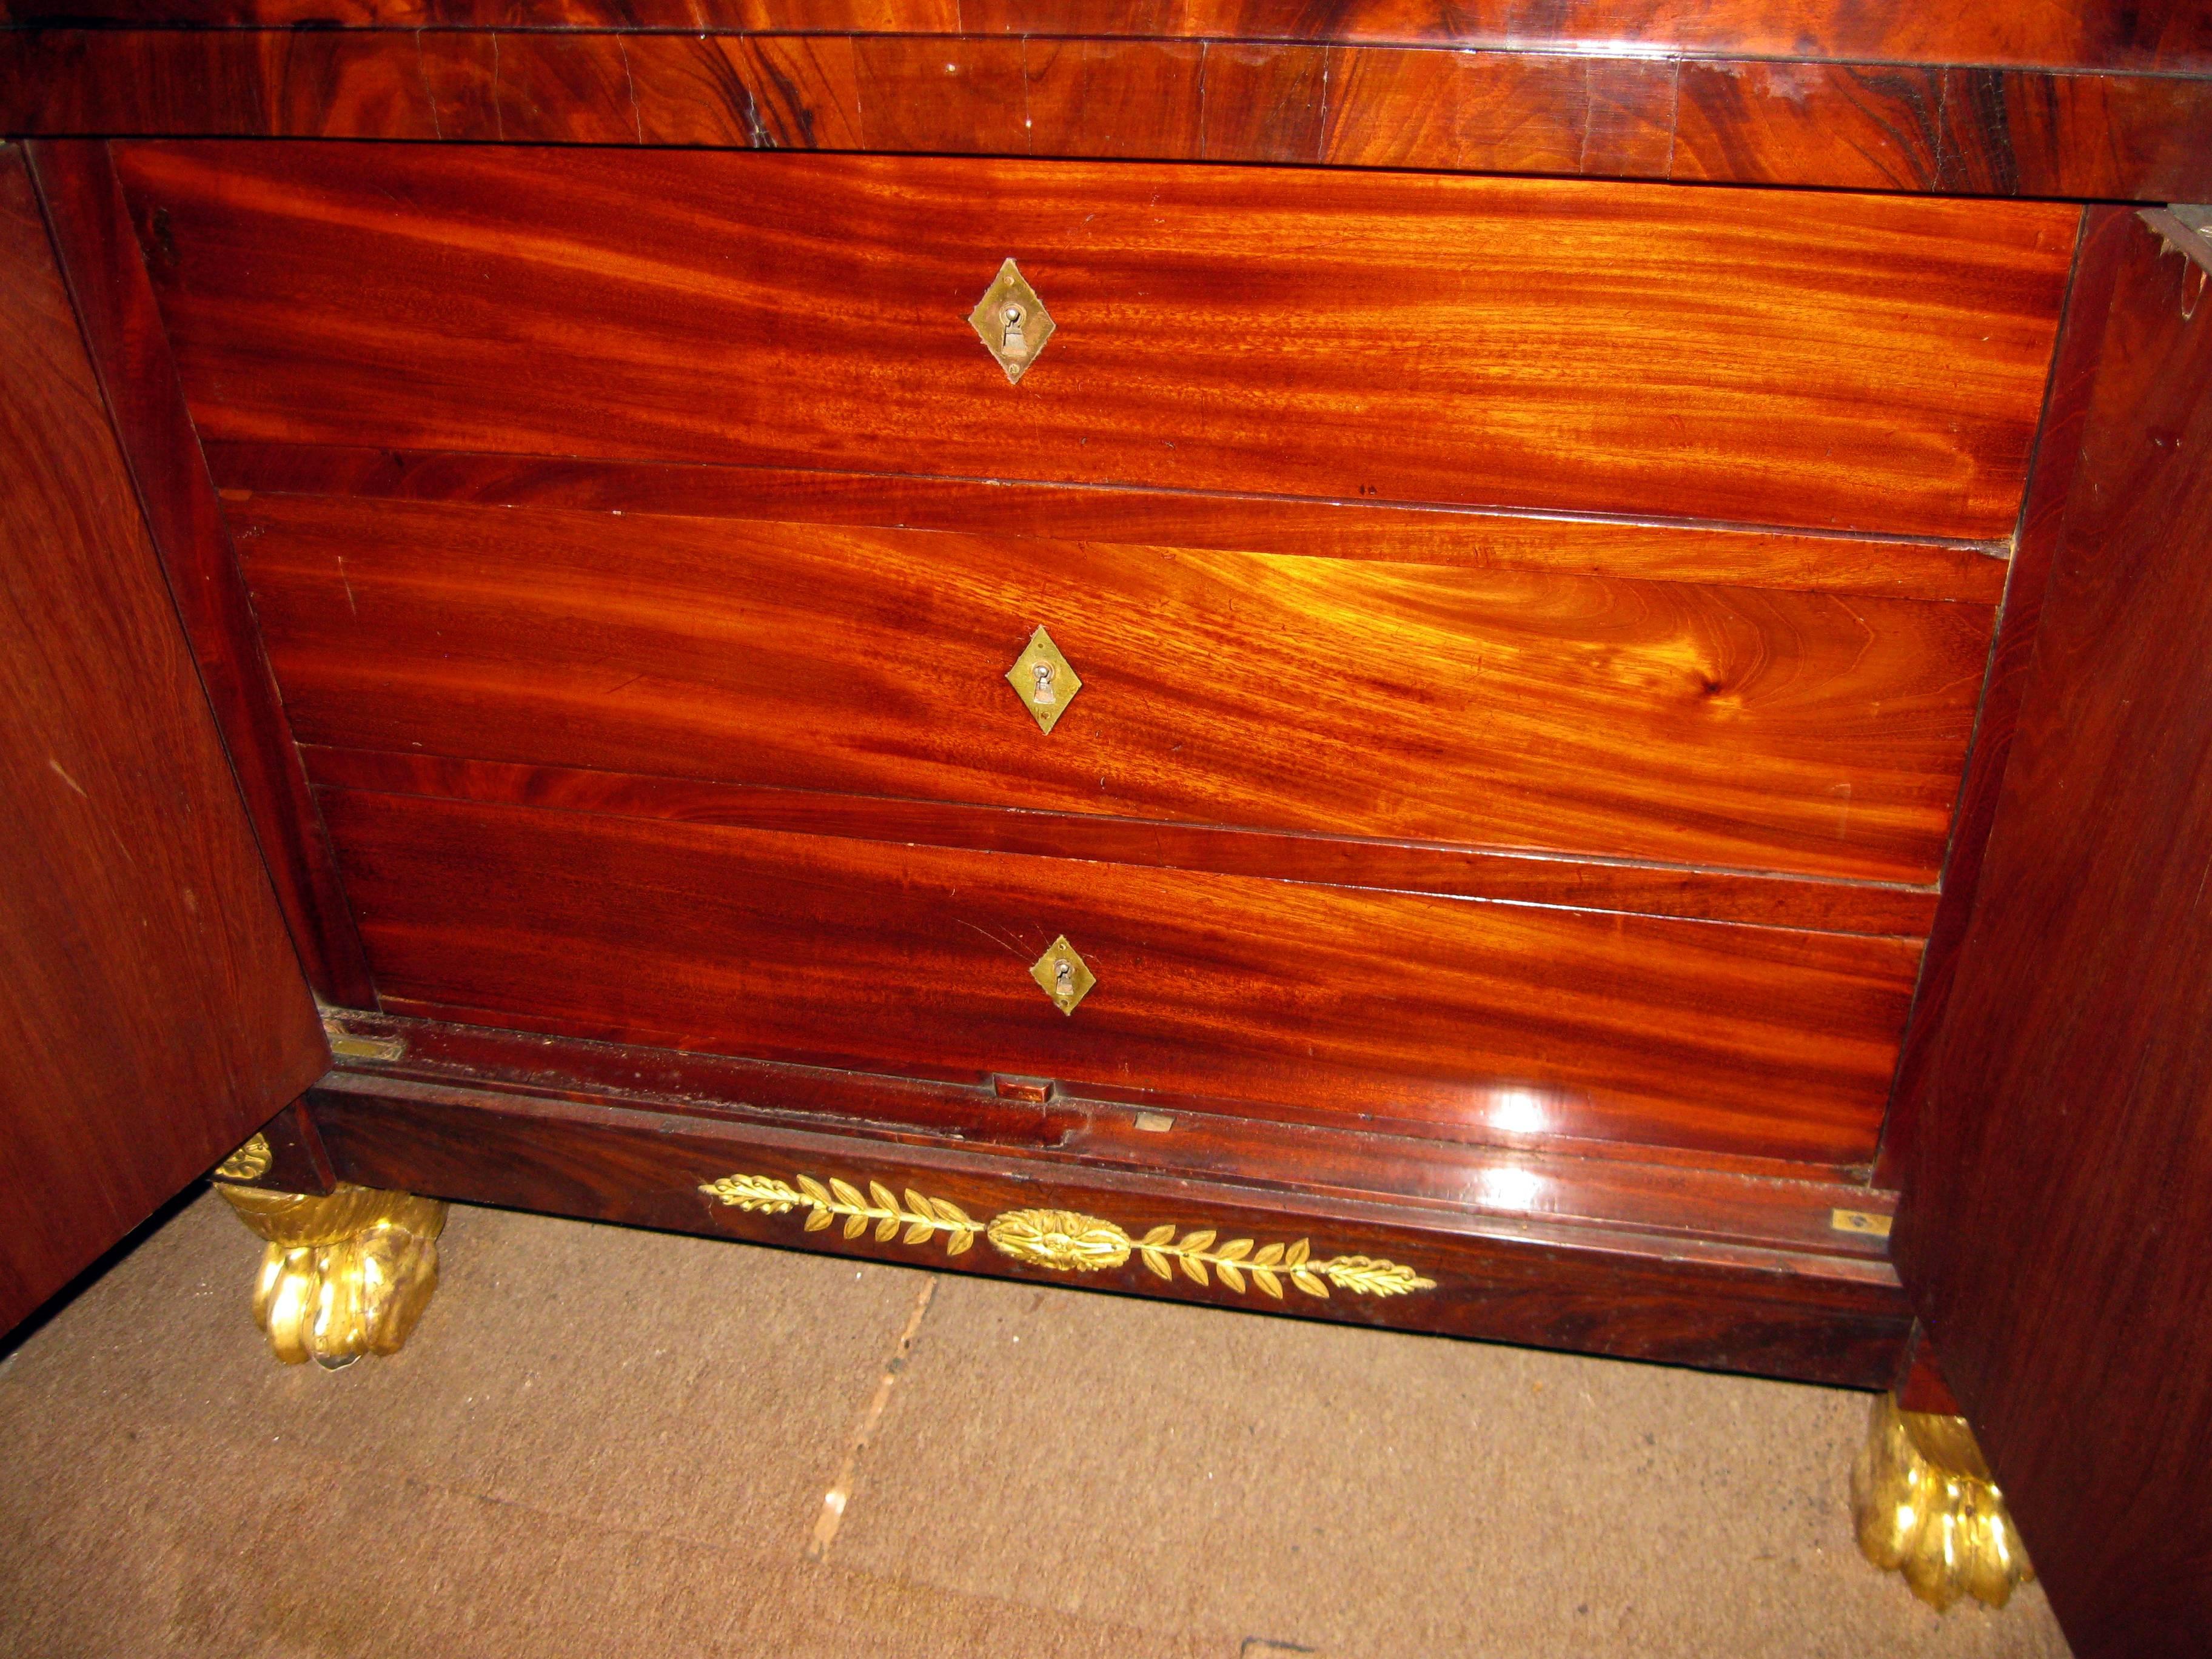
{"x":1015,"y":344}
{"x":1063,"y":975}
{"x":1045,"y":681}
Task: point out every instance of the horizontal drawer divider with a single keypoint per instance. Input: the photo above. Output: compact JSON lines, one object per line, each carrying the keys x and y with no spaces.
{"x":1815,"y":905}
{"x":1644,"y":546}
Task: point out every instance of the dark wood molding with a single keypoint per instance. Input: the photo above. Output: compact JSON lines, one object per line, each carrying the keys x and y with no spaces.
{"x":1645,"y":1262}
{"x":2168,"y":35}
{"x":1978,"y":125}
{"x":129,"y":349}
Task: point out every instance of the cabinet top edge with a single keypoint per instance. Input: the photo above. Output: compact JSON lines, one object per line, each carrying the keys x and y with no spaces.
{"x":2068,"y":35}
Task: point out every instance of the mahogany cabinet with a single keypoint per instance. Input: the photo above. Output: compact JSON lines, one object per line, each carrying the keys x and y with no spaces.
{"x":1542,"y":682}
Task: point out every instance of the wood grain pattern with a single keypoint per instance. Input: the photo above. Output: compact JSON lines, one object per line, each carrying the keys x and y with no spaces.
{"x":562,"y":88}
{"x":1873,"y":127}
{"x":131,"y":358}
{"x":154,"y":1013}
{"x":1497,"y":112}
{"x":1397,"y":337}
{"x":2144,"y":138}
{"x":1470,"y":872}
{"x":2106,"y":232}
{"x":302,"y":83}
{"x":756,"y":91}
{"x":2067,"y":34}
{"x":2060,"y":1193}
{"x":1448,"y":1013}
{"x":1263,"y":103}
{"x":1738,"y":556}
{"x":935,"y":96}
{"x":1591,"y":1288}
{"x":1132,"y":98}
{"x":1878,"y":125}
{"x":1655,"y":721}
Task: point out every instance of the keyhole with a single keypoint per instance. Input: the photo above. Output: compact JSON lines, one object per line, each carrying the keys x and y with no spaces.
{"x":1015,"y":342}
{"x":1043,"y":696}
{"x":1063,"y":976}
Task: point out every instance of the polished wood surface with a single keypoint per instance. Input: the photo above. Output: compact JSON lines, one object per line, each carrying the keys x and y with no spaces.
{"x":1920,"y":1386}
{"x":1652,"y":549}
{"x":2064,"y":34}
{"x":2106,"y":232}
{"x":557,"y":472}
{"x":1875,"y":124}
{"x":1705,"y":726}
{"x":130,"y":355}
{"x":1592,"y":1287}
{"x":1535,"y":1179}
{"x":154,"y":1013}
{"x":1456,"y":1015}
{"x":2059,"y":1190}
{"x":1877,"y":365}
{"x":1816,"y":903}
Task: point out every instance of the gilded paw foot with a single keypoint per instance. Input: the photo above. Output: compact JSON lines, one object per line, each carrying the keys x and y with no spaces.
{"x":1926,"y":1507}
{"x":343,"y":1275}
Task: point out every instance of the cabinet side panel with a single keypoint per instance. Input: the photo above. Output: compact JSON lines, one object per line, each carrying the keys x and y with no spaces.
{"x":2057,"y":1228}
{"x":130,"y":358}
{"x":154,"y":1012}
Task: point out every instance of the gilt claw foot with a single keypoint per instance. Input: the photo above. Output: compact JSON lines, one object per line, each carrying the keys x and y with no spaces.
{"x":1925,"y":1506}
{"x":343,"y":1275}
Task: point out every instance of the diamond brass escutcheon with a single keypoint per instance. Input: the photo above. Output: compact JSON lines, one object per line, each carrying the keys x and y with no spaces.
{"x":1045,"y":681}
{"x":1012,"y":321}
{"x":1063,"y":975}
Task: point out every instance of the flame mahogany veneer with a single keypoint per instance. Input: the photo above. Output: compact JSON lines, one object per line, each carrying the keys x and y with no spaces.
{"x":1531,"y":636}
{"x":1554,"y":645}
{"x":1531,"y":631}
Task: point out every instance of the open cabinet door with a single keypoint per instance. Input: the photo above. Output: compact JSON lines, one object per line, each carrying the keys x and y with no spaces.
{"x":152,"y":1011}
{"x":2056,"y":1231}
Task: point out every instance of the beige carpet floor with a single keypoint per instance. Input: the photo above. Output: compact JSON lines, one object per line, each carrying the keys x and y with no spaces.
{"x":608,"y":1443}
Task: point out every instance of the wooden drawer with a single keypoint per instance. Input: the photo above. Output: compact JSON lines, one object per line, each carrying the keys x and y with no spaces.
{"x":1691,"y":723}
{"x":1862,"y":362}
{"x":1749,"y":465}
{"x":1455,"y":1018}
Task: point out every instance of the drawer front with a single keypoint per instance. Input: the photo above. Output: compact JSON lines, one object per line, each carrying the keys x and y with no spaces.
{"x":1463,"y":1018}
{"x":1686,"y":723}
{"x":1862,"y":363}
